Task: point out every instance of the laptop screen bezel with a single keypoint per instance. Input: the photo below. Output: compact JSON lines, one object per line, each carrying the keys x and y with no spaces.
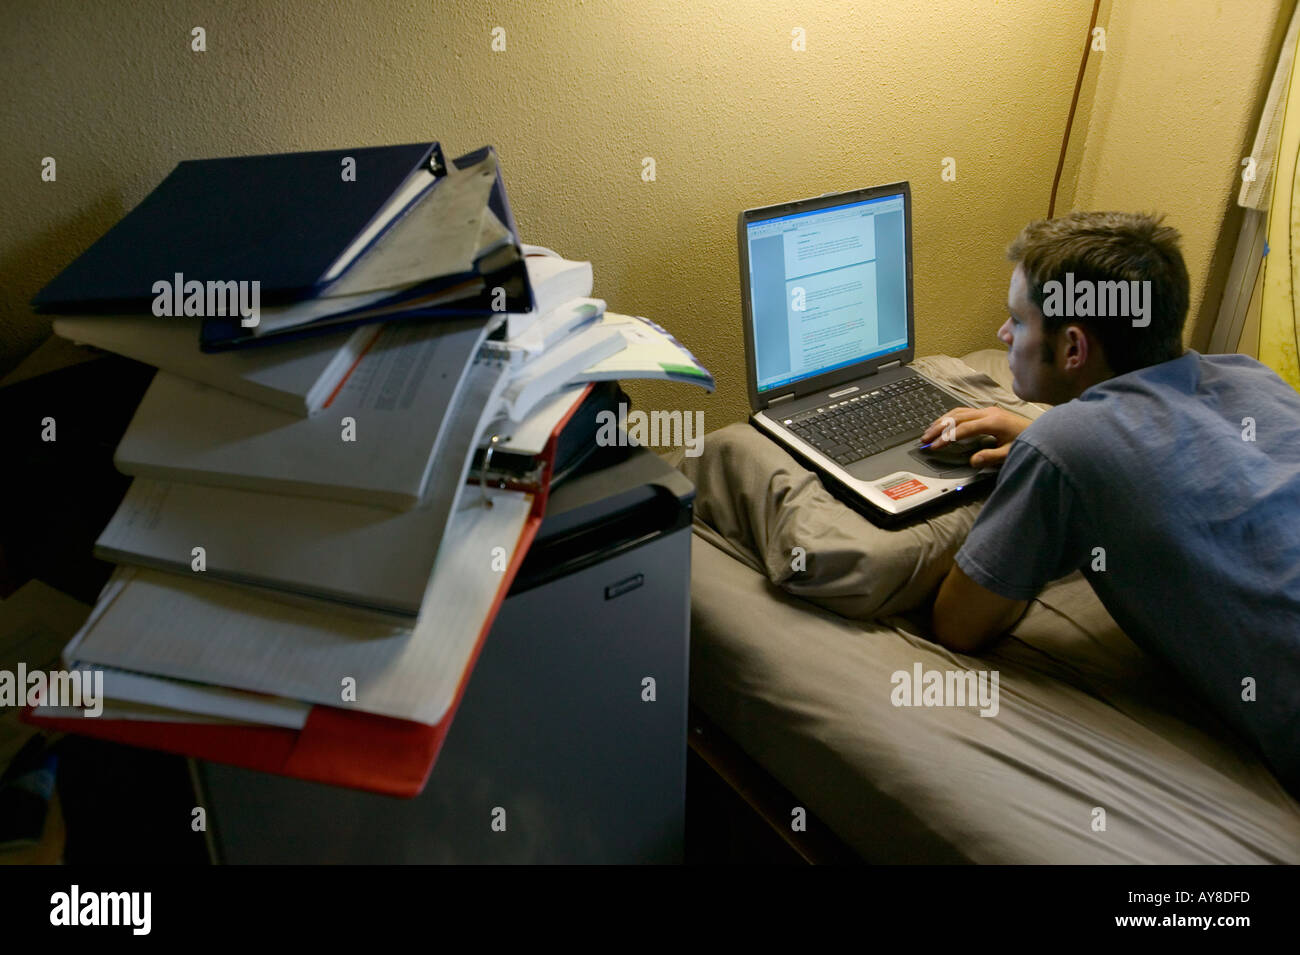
{"x":758,"y":401}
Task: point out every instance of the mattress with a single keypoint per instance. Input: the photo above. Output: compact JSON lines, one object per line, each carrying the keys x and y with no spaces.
{"x":1090,"y":752}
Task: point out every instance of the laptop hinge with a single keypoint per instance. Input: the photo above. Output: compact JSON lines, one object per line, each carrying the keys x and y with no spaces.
{"x":777,"y":401}
{"x":892,"y":364}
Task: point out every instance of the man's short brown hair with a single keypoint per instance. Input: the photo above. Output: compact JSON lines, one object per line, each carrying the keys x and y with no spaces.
{"x":1110,"y":247}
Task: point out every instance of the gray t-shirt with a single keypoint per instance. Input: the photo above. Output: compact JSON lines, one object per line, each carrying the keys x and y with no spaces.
{"x":1199,"y":528}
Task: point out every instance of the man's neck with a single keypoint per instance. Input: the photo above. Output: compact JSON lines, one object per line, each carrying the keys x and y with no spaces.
{"x":1091,"y":376}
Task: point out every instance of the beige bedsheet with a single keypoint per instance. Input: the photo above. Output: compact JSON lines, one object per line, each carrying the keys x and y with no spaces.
{"x":1095,"y":755}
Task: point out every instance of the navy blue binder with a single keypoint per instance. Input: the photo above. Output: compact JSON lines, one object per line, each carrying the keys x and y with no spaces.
{"x":283,"y":219}
{"x":223,"y":333}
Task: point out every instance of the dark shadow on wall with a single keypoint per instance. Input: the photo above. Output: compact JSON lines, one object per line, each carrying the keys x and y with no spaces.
{"x":29,"y":265}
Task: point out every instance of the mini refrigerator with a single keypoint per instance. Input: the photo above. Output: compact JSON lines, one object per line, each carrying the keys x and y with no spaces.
{"x":569,"y":745}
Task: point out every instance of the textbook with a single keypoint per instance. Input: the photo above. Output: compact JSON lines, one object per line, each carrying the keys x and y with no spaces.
{"x":376,"y":444}
{"x":297,"y":377}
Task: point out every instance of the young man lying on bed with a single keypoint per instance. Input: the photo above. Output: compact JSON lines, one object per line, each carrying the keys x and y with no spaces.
{"x":1170,"y":478}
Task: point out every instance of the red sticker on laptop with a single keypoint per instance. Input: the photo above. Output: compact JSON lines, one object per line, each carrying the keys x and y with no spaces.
{"x":904,"y":487}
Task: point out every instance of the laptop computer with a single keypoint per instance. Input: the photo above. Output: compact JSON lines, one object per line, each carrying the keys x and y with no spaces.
{"x":826,"y":288}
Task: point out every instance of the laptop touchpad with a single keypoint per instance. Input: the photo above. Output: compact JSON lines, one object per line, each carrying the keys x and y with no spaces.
{"x":944,"y":461}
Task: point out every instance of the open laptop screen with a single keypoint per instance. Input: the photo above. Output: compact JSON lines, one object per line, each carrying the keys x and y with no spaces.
{"x":828,"y":288}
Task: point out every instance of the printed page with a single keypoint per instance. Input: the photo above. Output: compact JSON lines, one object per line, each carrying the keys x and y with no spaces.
{"x":367,"y":556}
{"x":530,"y":435}
{"x":326,"y":312}
{"x":558,"y":366}
{"x":239,"y":638}
{"x":375,"y":443}
{"x":288,"y":377}
{"x":651,"y":352}
{"x":135,"y":693}
{"x":437,"y":236}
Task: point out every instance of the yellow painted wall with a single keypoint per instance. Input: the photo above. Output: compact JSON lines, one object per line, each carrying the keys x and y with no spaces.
{"x":1178,"y":95}
{"x":711,"y":89}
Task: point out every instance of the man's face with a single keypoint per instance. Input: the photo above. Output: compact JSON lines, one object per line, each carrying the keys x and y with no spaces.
{"x":1033,"y":379}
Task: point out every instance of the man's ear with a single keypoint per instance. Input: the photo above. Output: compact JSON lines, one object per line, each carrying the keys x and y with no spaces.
{"x":1085,"y":356}
{"x":1079,"y":347}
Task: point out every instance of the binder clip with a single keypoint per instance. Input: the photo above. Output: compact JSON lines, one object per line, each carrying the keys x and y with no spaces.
{"x":483,"y":471}
{"x":437,"y":165}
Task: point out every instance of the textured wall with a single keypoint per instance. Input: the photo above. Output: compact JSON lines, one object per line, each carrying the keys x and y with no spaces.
{"x":733,"y":117}
{"x":1177,"y":101}
{"x":711,"y":89}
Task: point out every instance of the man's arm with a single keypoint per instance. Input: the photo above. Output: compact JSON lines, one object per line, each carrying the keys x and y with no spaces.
{"x":967,"y":617}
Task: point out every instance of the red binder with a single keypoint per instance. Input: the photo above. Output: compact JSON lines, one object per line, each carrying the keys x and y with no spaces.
{"x":336,"y":746}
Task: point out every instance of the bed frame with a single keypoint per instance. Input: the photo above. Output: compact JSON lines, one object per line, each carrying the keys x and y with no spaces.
{"x":737,"y":813}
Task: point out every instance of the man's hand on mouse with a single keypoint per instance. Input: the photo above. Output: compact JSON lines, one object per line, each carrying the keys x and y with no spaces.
{"x":960,"y":424}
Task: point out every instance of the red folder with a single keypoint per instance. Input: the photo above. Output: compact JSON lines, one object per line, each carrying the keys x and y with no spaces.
{"x":336,"y":746}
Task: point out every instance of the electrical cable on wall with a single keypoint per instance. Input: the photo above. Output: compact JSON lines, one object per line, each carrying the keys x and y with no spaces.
{"x":1074,"y":103}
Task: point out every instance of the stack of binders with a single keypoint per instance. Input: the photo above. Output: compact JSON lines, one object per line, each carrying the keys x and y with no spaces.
{"x":337,"y":479}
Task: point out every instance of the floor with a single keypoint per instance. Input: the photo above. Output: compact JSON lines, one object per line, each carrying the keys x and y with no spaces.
{"x":125,"y":804}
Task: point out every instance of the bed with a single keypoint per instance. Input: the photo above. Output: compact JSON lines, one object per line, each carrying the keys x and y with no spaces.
{"x":1096,"y":754}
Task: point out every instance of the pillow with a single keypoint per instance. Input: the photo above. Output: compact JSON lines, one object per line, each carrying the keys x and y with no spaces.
{"x":759,"y":504}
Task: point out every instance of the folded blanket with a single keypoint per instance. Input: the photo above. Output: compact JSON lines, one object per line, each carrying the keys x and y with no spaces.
{"x":760,"y":505}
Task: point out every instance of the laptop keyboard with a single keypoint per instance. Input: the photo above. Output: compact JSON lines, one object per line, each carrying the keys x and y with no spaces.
{"x":872,"y":421}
